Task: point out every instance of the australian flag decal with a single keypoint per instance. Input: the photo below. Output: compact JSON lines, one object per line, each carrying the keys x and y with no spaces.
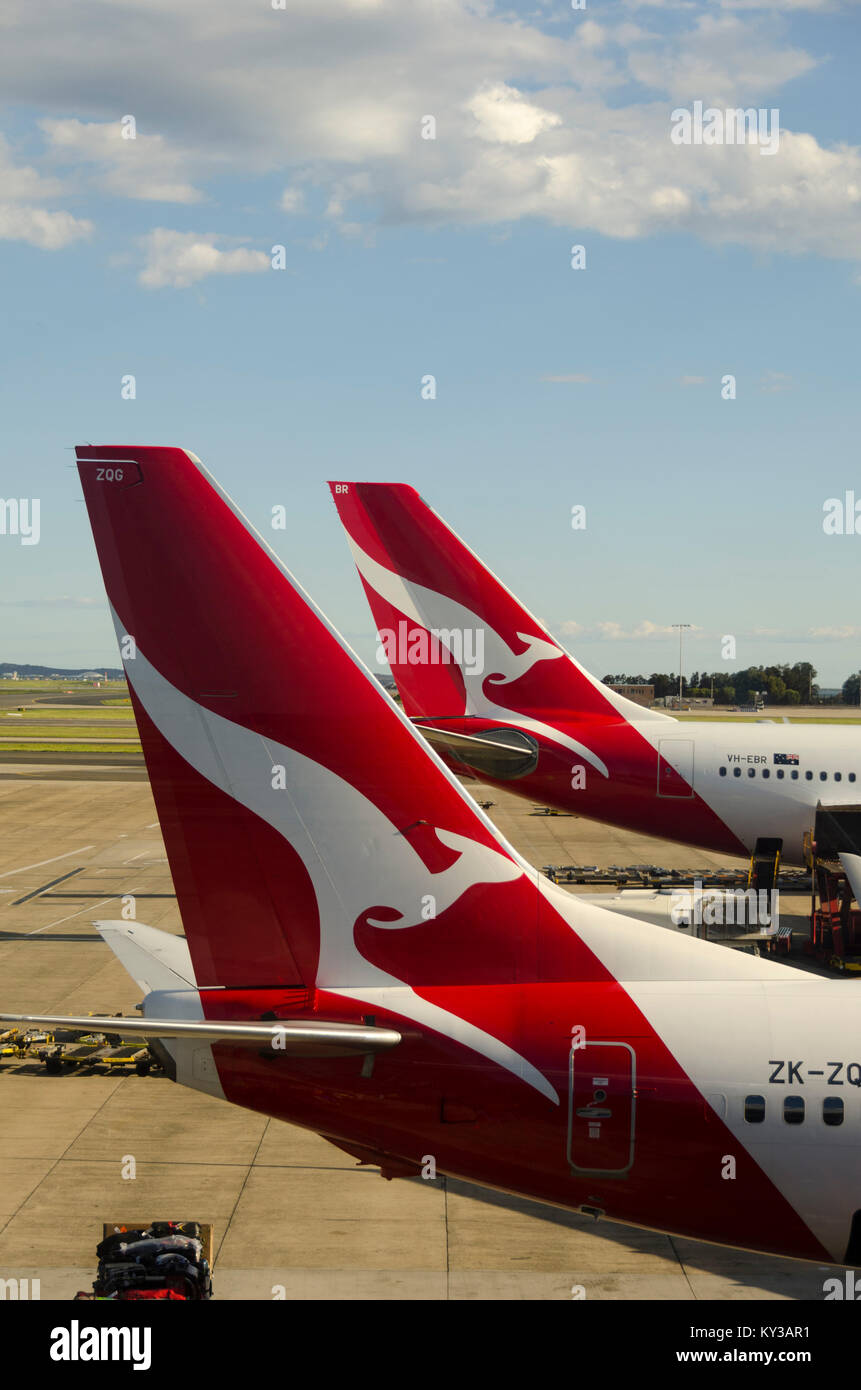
{"x":786,"y":759}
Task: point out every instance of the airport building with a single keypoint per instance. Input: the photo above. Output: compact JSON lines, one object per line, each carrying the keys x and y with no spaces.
{"x":640,"y":694}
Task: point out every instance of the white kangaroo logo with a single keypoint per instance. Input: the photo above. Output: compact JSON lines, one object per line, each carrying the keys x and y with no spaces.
{"x":537,"y":649}
{"x":437,"y":612}
{"x":354,"y":856}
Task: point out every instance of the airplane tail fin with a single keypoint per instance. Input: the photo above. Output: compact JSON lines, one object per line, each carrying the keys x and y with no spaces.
{"x":306,"y":824}
{"x":457,"y":641}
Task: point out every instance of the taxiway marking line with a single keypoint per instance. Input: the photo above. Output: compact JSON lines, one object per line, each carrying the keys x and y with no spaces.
{"x":23,"y":870}
{"x":71,"y":915}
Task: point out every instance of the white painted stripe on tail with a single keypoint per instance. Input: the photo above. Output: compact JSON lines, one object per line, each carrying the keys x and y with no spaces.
{"x":438,"y":612}
{"x":353,"y":854}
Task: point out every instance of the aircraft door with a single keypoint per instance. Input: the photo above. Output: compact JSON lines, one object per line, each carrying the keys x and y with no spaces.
{"x":601,"y":1108}
{"x":676,"y":767}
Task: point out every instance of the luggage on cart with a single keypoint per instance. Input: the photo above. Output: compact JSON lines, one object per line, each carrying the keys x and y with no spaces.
{"x":165,"y":1259}
{"x":134,"y":1294}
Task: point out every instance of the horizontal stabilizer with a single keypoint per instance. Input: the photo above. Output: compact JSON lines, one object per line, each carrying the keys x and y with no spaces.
{"x":297,"y":1038}
{"x":155,"y":959}
{"x":498,"y":753}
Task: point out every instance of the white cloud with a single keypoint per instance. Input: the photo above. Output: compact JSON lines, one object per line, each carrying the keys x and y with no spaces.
{"x":292,"y":200}
{"x":661,"y":4}
{"x":724,"y":60}
{"x":789,"y":6}
{"x":64,"y":601}
{"x":614,"y":631}
{"x":49,"y":231}
{"x":643,"y":629}
{"x":179,"y":259}
{"x":21,"y":187}
{"x":145,"y":167}
{"x":330,"y":94}
{"x":773,"y":382}
{"x":574,"y":377}
{"x":504,"y":117}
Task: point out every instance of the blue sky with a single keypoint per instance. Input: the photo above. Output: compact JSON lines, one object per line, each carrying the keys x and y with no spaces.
{"x":405,"y":257}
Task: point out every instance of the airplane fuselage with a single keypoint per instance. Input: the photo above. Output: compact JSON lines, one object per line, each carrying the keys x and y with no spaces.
{"x":754,"y":1140}
{"x":713,"y":784}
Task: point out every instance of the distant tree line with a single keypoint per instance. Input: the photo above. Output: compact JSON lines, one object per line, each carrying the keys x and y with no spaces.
{"x":779,"y":685}
{"x":25,"y":671}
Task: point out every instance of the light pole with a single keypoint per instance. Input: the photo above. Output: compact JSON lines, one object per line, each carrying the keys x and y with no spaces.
{"x":681,"y":627}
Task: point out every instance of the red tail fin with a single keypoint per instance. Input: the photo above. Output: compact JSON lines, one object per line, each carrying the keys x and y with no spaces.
{"x":492,"y":658}
{"x":302,"y":814}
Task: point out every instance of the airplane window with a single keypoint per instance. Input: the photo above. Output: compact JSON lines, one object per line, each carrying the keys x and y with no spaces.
{"x":832,"y":1110}
{"x":765,"y":772}
{"x":793,"y":1110}
{"x":809,"y":776}
{"x":754,"y":1109}
{"x":852,"y":777}
{"x":780,"y":774}
{"x":838,"y":776}
{"x":751,"y":772}
{"x":795,"y":774}
{"x":736,"y":772}
{"x":822,"y":776}
{"x":723,"y":772}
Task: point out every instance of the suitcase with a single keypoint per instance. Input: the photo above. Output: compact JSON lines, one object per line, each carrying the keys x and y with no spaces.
{"x":139,"y":1261}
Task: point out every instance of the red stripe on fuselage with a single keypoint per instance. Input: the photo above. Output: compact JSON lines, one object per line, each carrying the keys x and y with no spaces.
{"x":627,"y":798}
{"x":517,"y":1140}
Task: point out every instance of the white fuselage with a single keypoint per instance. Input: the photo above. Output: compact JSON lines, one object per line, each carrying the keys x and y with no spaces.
{"x":741,"y":772}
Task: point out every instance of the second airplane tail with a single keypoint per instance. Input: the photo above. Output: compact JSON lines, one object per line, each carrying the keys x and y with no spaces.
{"x":457,"y":641}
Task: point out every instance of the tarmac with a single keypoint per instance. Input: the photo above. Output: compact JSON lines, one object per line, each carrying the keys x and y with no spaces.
{"x":292,"y":1216}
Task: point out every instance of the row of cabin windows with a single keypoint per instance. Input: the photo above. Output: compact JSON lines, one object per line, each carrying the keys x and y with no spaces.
{"x":793,"y":1110}
{"x":794,"y":774}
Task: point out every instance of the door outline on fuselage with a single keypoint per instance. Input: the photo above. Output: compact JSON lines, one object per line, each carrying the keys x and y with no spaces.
{"x":686,"y":771}
{"x":600,"y":1113}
